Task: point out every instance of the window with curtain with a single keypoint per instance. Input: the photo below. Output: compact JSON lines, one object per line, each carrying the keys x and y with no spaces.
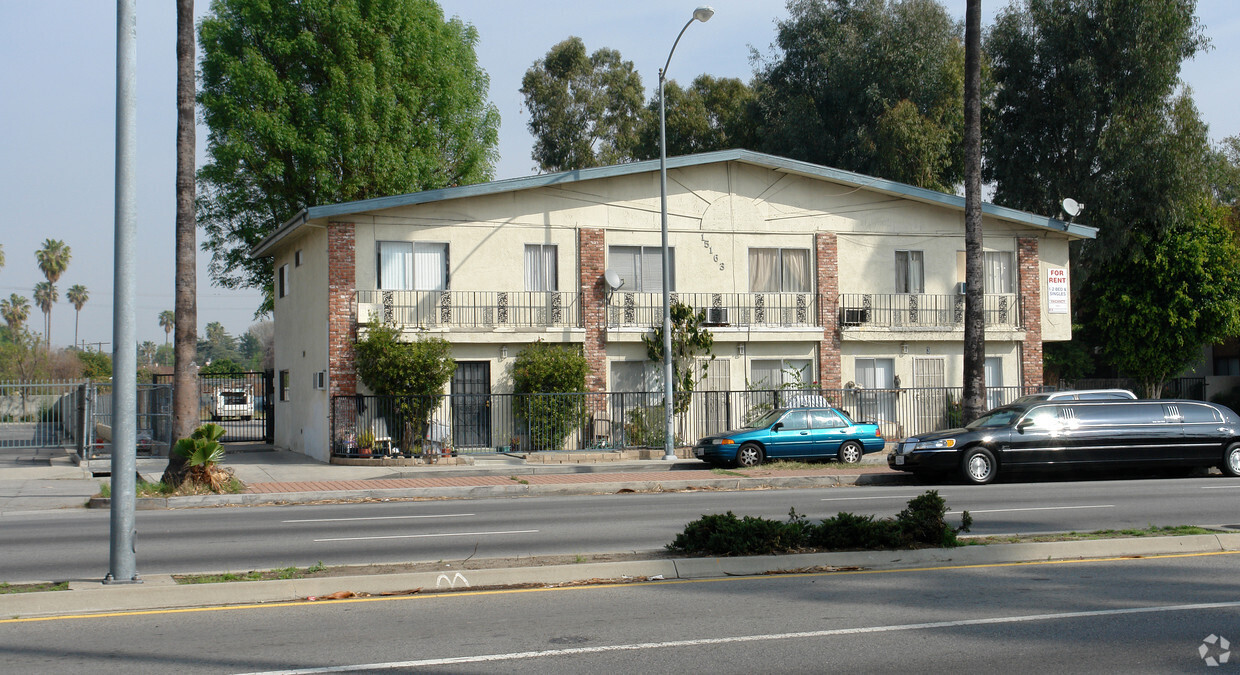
{"x":405,"y":265}
{"x":775,"y":373}
{"x":910,"y":273}
{"x":540,"y":267}
{"x":641,"y":267}
{"x":636,"y":376}
{"x":999,"y":272}
{"x":874,"y":373}
{"x":776,"y":270}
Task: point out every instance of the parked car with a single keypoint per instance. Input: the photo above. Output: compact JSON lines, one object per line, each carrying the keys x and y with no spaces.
{"x":1078,"y":395}
{"x":793,"y":433}
{"x":1070,"y":434}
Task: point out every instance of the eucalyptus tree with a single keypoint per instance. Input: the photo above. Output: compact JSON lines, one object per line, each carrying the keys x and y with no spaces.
{"x":78,"y":295}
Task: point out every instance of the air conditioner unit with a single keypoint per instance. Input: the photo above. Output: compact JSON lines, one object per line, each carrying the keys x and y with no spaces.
{"x":320,"y":380}
{"x":960,"y":288}
{"x":854,"y":316}
{"x":717,"y":316}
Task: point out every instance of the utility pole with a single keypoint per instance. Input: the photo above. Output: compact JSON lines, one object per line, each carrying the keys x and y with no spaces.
{"x":122,"y":568}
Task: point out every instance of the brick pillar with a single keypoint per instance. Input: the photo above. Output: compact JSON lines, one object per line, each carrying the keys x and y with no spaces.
{"x":341,"y":309}
{"x":591,"y":263}
{"x":1030,"y":310}
{"x":828,"y":276}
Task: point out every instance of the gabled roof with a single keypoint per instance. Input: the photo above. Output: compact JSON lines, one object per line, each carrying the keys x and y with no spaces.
{"x":772,"y":162}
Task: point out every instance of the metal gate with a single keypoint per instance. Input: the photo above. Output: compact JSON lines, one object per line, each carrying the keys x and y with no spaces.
{"x":40,"y":414}
{"x":471,"y":404}
{"x":242,"y":403}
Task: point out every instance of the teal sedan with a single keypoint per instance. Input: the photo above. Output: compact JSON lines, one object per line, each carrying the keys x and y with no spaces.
{"x":793,"y":433}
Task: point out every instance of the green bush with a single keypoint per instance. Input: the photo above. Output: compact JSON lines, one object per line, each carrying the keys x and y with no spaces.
{"x":551,"y":382}
{"x":415,"y":372}
{"x":920,"y":524}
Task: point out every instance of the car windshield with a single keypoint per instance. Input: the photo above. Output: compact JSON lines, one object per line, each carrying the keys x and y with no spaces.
{"x":1000,"y":417}
{"x":766,"y":420}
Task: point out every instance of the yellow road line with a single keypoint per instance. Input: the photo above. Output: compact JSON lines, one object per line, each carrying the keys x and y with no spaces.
{"x":506,"y":591}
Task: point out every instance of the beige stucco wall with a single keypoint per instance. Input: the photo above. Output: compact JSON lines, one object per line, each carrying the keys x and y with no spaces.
{"x":303,"y":422}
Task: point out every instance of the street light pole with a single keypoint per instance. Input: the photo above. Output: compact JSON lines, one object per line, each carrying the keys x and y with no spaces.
{"x":702,"y":14}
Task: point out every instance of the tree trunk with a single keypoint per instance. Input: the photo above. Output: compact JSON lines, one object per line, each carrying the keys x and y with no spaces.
{"x":185,"y":403}
{"x":974,"y":317}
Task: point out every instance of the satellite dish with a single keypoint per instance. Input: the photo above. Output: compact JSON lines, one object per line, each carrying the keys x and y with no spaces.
{"x":613,"y":280}
{"x":1072,"y":207}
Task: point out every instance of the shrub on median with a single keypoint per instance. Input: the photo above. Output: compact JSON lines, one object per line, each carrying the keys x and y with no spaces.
{"x":920,"y":524}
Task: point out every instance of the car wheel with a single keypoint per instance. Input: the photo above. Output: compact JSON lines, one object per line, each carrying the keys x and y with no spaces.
{"x":749,"y":454}
{"x":850,"y":453}
{"x":1231,"y":460}
{"x":979,"y":466}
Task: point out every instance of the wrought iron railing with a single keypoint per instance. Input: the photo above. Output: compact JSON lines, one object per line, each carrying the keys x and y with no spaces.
{"x":719,"y":309}
{"x":471,"y":309}
{"x":920,"y":311}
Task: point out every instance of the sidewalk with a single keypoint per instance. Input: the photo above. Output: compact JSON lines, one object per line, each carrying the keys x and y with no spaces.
{"x":50,"y":480}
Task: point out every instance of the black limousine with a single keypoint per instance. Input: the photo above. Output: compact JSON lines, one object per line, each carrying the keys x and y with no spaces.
{"x":1156,"y":434}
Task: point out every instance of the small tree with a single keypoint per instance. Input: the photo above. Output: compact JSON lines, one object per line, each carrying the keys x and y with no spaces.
{"x":414,"y":372}
{"x":689,"y":340}
{"x":553,"y":381}
{"x":202,"y":453}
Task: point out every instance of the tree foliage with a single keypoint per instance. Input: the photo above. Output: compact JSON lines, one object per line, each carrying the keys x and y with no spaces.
{"x":873,"y":86}
{"x":1157,"y":309}
{"x":324,"y":101}
{"x":584,"y":108}
{"x":690,"y":339}
{"x":414,"y":372}
{"x":549,"y":381}
{"x":713,"y":113}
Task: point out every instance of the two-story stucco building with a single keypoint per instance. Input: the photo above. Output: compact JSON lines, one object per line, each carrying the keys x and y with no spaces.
{"x":849,"y":279}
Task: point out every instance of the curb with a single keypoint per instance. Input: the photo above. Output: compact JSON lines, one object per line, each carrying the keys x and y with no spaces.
{"x":515,"y":490}
{"x":162,"y":592}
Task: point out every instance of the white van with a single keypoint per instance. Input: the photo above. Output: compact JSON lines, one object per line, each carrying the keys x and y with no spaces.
{"x":232,"y":401}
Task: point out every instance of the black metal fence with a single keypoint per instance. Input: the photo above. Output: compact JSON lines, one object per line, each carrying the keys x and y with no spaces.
{"x":367,"y":426}
{"x":242,"y":403}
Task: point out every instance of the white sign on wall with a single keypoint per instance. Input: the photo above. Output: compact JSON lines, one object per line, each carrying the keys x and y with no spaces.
{"x":1056,"y":290}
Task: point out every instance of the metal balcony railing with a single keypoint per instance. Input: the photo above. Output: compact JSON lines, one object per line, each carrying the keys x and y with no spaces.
{"x":775,"y":310}
{"x":921,"y":311}
{"x":471,"y":309}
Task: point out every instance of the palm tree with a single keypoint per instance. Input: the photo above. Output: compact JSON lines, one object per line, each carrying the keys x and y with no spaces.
{"x":1,"y":256}
{"x":46,"y":295}
{"x":973,"y":398}
{"x":185,"y":416}
{"x":78,"y":295}
{"x":167,"y":321}
{"x":53,"y":260}
{"x":15,"y":311}
{"x":147,"y":351}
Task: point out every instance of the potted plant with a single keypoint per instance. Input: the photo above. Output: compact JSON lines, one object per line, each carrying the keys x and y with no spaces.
{"x":366,"y":442}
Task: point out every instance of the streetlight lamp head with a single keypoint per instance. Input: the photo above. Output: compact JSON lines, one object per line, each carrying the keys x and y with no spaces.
{"x":704,"y":13}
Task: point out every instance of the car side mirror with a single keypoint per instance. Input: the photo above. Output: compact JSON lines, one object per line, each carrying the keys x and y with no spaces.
{"x":777,"y":426}
{"x":1023,"y":424}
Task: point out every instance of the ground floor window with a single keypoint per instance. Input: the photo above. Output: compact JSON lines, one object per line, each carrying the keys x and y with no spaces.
{"x":636,"y":376}
{"x":780,"y":374}
{"x":283,"y":385}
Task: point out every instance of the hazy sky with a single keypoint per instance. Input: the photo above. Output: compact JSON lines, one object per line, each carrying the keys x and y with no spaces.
{"x":57,"y":119}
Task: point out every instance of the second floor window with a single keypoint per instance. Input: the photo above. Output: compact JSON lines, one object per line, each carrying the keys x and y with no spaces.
{"x":910,"y":272}
{"x":641,"y":267}
{"x":779,"y":270}
{"x":999,"y":277}
{"x":282,"y":283}
{"x":540,"y":267}
{"x":406,"y":265}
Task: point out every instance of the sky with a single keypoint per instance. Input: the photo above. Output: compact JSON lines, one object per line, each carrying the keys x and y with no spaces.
{"x":57,"y":122}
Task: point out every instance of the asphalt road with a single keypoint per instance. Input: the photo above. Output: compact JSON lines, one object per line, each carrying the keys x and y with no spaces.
{"x":73,"y":545}
{"x":1129,"y":615}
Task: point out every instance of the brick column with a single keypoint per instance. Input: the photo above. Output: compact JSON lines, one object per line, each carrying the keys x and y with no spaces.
{"x":341,"y":309}
{"x":828,"y":279}
{"x":1030,"y":310}
{"x":591,"y":263}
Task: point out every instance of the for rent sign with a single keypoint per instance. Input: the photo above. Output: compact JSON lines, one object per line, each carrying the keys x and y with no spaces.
{"x":1057,"y":290}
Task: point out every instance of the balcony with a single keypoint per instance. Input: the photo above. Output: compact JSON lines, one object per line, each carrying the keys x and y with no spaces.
{"x":922,"y":312}
{"x":746,"y":310}
{"x":474,"y":310}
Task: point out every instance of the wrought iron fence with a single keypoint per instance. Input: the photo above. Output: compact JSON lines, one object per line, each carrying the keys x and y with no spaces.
{"x":862,"y":311}
{"x":720,"y":309}
{"x":153,"y":412}
{"x":240,"y":402}
{"x":470,"y":309}
{"x":39,"y":414}
{"x":369,"y":426}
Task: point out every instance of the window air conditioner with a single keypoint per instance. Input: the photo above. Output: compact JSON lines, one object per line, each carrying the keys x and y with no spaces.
{"x":717,"y":316}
